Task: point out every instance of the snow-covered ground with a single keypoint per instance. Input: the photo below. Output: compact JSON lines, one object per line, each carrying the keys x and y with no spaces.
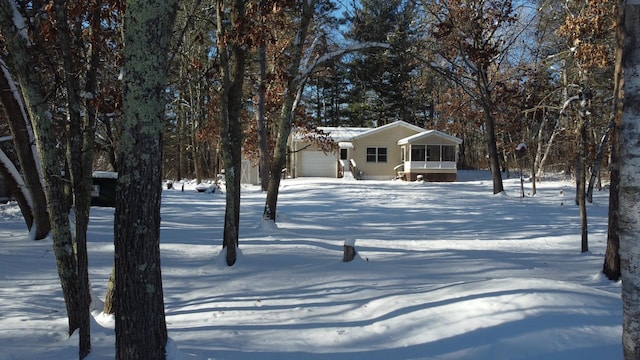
{"x":444,"y":271}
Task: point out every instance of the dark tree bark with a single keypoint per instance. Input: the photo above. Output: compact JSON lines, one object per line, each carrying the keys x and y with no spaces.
{"x":263,"y":144}
{"x":141,"y":331}
{"x":81,"y":117}
{"x":80,"y":170}
{"x":581,"y":183}
{"x":611,"y":266}
{"x":596,"y":164}
{"x":232,"y":54}
{"x":492,"y":148}
{"x":285,"y":121}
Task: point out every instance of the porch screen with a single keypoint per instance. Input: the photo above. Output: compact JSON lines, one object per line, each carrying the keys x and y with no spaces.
{"x":418,"y":153}
{"x":433,"y":153}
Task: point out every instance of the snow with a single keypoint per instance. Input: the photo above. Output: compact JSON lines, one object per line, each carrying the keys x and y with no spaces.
{"x":443,"y":271}
{"x":105,"y":175}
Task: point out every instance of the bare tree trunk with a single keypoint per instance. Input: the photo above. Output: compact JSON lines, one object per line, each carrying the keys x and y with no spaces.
{"x":182,"y":160}
{"x":262,"y":126}
{"x":630,"y":185}
{"x":24,"y":142}
{"x":141,"y":330}
{"x":492,"y":150}
{"x":110,"y":297}
{"x":596,"y":165}
{"x":547,"y":149}
{"x":17,"y":187}
{"x":580,"y":179}
{"x":22,"y":65}
{"x":79,"y":152}
{"x":232,"y":65}
{"x":611,"y":266}
{"x":285,"y":121}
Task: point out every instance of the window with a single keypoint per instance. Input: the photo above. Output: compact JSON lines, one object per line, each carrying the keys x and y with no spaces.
{"x":343,"y":154}
{"x":375,"y":154}
{"x":382,"y":155}
{"x":418,"y":153}
{"x":448,"y":153}
{"x":433,"y":153}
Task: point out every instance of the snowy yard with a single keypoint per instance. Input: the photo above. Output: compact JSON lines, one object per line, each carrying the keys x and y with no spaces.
{"x":444,"y":271}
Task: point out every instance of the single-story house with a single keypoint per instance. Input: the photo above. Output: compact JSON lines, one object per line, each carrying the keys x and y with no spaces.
{"x":396,"y":150}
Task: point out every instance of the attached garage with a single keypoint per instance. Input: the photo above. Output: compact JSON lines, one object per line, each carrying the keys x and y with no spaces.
{"x":318,"y":164}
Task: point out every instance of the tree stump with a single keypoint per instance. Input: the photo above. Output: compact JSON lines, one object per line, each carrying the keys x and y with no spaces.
{"x":349,"y":250}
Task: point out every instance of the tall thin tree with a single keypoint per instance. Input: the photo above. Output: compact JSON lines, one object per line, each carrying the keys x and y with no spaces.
{"x":611,"y":265}
{"x":232,"y":53}
{"x":629,"y":189}
{"x":294,"y":85}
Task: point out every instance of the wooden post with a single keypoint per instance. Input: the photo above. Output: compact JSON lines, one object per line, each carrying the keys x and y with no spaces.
{"x":349,"y":250}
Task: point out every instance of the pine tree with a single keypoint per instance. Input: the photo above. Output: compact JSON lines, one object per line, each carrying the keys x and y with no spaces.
{"x":381,"y":81}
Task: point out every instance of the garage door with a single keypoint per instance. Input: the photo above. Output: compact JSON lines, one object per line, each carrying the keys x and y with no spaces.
{"x":317,"y":164}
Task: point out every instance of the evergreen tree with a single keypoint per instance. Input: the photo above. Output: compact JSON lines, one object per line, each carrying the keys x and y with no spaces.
{"x":381,"y":81}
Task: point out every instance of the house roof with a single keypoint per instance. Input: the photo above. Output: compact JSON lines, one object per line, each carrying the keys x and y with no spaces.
{"x":341,"y":133}
{"x":429,"y":133}
{"x":344,"y":135}
{"x":389,"y":126}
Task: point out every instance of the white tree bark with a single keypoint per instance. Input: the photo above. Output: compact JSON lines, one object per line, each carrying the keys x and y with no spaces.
{"x":629,"y":190}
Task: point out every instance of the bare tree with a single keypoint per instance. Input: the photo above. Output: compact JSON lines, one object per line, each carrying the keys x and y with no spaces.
{"x":32,"y":198}
{"x":141,"y":331}
{"x":611,"y":266}
{"x":295,"y":82}
{"x":470,"y":43}
{"x":232,"y":53}
{"x":23,"y":65}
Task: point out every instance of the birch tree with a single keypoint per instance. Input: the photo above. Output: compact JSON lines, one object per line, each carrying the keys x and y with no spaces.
{"x":141,"y":331}
{"x":629,"y":190}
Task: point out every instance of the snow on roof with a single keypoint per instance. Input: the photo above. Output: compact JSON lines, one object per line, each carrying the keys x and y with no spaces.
{"x":344,"y":135}
{"x":390,"y":125}
{"x":426,"y":134}
{"x":105,"y":175}
{"x":337,"y":133}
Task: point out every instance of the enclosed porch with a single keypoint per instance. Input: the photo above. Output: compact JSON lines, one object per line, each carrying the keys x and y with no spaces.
{"x":431,"y":156}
